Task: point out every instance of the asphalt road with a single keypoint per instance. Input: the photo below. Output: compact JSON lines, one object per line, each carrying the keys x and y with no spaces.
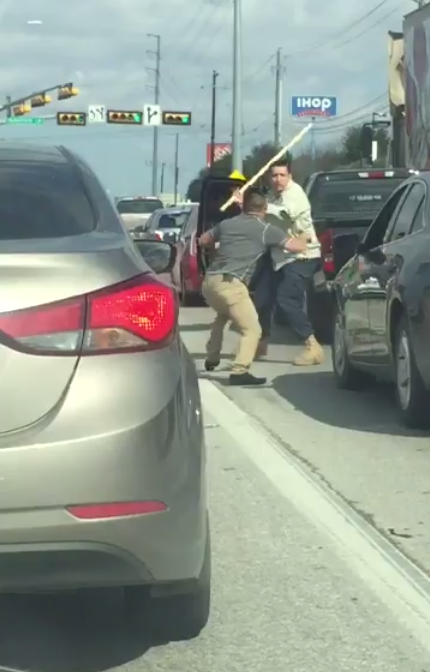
{"x":282,"y":599}
{"x":350,"y":440}
{"x":298,"y":582}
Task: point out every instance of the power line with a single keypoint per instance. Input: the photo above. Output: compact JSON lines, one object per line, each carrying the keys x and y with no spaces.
{"x":339,"y":33}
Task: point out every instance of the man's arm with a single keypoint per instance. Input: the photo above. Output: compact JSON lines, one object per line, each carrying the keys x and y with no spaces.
{"x":211,"y":237}
{"x":299,"y":212}
{"x":275,"y":237}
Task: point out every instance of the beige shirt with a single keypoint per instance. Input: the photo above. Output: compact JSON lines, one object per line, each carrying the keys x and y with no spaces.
{"x":294,"y":202}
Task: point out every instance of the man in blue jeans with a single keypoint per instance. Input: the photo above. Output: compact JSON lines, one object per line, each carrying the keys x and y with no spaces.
{"x":293,"y":271}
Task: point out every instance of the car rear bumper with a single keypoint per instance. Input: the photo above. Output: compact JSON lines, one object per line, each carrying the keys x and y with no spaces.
{"x":128,"y":456}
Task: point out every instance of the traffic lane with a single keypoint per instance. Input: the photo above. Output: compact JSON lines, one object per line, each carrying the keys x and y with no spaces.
{"x":281,"y":598}
{"x":351,"y":439}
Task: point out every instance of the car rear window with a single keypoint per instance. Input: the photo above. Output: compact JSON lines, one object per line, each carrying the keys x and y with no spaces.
{"x":169,"y":220}
{"x":42,"y":200}
{"x":352,"y":198}
{"x":138,"y":206}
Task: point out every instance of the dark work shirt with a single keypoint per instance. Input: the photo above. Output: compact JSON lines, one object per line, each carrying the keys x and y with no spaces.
{"x":242,"y":241}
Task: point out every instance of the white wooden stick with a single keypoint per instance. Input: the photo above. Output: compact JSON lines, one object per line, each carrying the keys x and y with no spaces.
{"x":265,"y":168}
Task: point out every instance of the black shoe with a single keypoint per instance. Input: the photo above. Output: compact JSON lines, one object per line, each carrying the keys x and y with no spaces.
{"x":211,"y":366}
{"x":246,"y":379}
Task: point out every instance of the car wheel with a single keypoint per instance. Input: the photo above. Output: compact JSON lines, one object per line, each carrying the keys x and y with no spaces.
{"x":174,"y":618}
{"x":411,"y":395}
{"x":347,"y":378}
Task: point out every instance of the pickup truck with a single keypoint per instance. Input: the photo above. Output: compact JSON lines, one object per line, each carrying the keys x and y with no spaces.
{"x":342,"y":202}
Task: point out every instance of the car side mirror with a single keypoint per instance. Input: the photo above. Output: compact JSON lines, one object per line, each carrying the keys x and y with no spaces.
{"x":159,"y":256}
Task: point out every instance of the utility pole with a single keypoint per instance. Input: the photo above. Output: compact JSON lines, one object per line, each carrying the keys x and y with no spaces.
{"x":279,"y":72}
{"x":313,"y":145}
{"x":163,"y":166}
{"x":9,"y":111}
{"x":215,"y":76}
{"x":157,"y":54}
{"x":236,"y":135}
{"x":176,"y":188}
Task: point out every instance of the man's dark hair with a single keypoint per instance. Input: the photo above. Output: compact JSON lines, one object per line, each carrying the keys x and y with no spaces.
{"x":283,"y":163}
{"x":254,"y":200}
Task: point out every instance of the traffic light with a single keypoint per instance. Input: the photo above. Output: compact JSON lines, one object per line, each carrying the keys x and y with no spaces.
{"x":71,"y":119}
{"x":21,"y":110}
{"x":124,"y":117}
{"x":40,"y":101}
{"x":67,"y":91}
{"x":177,"y":118}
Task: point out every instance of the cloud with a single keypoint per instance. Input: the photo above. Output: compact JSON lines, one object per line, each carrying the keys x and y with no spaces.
{"x":104,"y":47}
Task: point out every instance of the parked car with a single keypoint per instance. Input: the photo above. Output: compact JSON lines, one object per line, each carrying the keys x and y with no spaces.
{"x":166,"y":224}
{"x":342,"y":201}
{"x":382,"y":307}
{"x":136,"y":210}
{"x":187,"y":274}
{"x":102,"y":448}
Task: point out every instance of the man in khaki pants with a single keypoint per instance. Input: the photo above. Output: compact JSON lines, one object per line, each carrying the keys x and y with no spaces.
{"x":242,"y":240}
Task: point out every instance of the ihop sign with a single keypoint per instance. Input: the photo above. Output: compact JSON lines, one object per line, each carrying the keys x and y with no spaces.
{"x":313,"y":106}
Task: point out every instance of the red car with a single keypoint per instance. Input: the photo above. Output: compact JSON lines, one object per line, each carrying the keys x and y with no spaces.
{"x":187,"y":276}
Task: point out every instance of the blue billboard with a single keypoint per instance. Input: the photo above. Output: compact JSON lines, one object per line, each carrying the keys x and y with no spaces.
{"x":314,"y":106}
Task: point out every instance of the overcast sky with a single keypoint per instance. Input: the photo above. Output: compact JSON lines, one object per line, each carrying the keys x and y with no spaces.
{"x":331,"y":48}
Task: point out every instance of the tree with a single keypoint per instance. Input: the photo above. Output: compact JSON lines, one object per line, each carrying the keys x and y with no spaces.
{"x":336,"y":155}
{"x":351,"y":143}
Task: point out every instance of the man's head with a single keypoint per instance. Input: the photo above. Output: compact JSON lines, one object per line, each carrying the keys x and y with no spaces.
{"x":280,"y":175}
{"x":254,"y":202}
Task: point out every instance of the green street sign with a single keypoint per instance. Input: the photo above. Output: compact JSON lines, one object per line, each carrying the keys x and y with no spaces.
{"x":26,"y":121}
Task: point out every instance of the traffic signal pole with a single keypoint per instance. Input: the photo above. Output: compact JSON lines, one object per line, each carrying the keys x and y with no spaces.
{"x":157,"y":53}
{"x":176,"y":187}
{"x":10,"y":104}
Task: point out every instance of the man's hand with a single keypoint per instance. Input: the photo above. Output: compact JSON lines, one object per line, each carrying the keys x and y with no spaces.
{"x":237,"y":197}
{"x":295,"y":245}
{"x":206,"y":240}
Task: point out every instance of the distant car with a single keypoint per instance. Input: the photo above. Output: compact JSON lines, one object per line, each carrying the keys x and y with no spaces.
{"x":382,"y":303}
{"x":102,"y":456}
{"x":342,"y":201}
{"x":166,"y":224}
{"x":136,"y":210}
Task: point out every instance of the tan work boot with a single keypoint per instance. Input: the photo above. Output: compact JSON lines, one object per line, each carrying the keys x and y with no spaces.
{"x":261,"y":349}
{"x":312,"y":354}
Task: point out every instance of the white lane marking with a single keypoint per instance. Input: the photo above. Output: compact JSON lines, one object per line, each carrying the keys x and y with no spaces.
{"x":400,"y":584}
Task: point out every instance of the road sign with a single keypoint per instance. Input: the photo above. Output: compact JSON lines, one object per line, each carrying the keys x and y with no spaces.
{"x":152,"y":115}
{"x":26,"y":121}
{"x":313,"y":106}
{"x":221,"y":149}
{"x":96,"y":114}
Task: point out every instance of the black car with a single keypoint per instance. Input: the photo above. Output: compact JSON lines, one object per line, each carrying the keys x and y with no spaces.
{"x":382,"y":303}
{"x":342,"y":201}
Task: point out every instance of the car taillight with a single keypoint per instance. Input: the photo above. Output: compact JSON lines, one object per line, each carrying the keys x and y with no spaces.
{"x":326,"y":240}
{"x":193,"y":245}
{"x":139,"y":314}
{"x":376,"y":174}
{"x":158,"y":236}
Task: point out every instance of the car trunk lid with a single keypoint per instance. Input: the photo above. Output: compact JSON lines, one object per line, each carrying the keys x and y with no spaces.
{"x":32,"y":382}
